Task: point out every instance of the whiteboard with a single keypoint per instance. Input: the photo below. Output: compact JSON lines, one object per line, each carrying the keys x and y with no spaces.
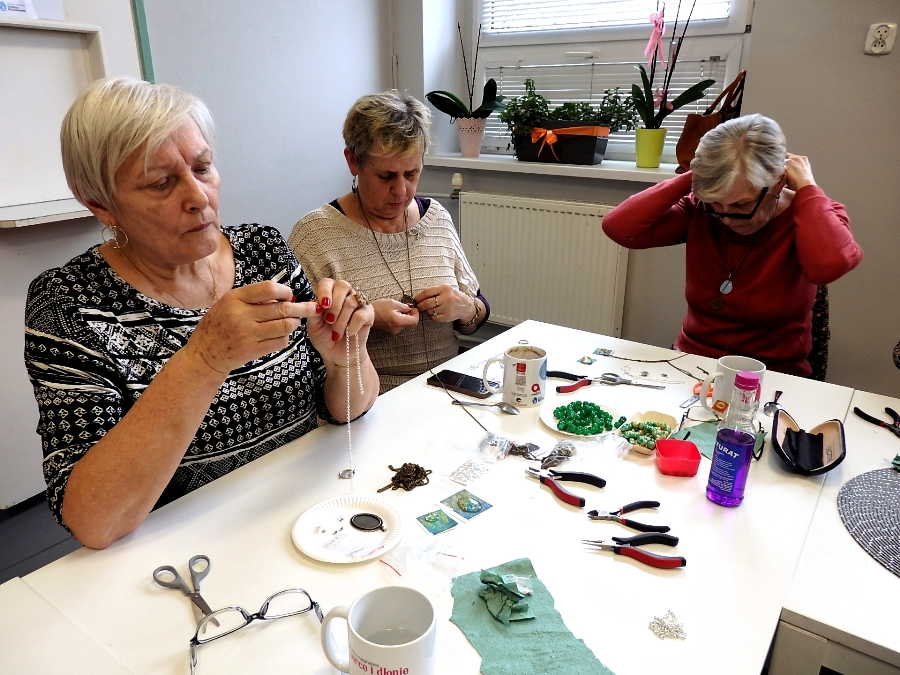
{"x":41,"y":74}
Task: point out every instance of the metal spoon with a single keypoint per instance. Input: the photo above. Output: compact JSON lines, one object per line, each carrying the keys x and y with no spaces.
{"x":773,"y":406}
{"x":505,"y":407}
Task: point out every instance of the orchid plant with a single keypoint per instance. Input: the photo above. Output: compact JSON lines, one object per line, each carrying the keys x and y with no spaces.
{"x":653,"y":105}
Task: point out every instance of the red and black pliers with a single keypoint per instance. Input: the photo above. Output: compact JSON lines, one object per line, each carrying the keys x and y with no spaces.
{"x":580,"y":381}
{"x":628,"y":508}
{"x":627,"y":546}
{"x":893,"y":428}
{"x":550,"y":478}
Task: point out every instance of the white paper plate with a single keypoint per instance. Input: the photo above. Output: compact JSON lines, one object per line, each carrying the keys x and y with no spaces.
{"x":548,"y":419}
{"x":325,"y":515}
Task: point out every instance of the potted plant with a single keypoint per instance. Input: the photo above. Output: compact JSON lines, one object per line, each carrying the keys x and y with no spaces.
{"x":580,"y":130}
{"x":653,"y":105}
{"x":469,"y":120}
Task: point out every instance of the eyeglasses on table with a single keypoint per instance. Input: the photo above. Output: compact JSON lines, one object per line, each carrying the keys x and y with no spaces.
{"x":289,"y":602}
{"x":699,"y":415}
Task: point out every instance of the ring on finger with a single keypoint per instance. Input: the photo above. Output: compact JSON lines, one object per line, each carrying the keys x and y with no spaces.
{"x":361,"y":296}
{"x":436,"y":303}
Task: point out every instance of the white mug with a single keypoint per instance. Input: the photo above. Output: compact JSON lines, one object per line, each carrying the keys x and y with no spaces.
{"x":728,"y":367}
{"x":524,"y":375}
{"x":390,"y":632}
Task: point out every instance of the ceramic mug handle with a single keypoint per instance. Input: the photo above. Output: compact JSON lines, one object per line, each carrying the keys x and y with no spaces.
{"x":328,"y":646}
{"x":487,"y":383}
{"x":707,"y":383}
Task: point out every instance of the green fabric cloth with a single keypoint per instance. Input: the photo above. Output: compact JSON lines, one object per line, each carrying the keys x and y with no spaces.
{"x":703,"y":435}
{"x":541,"y":646}
{"x":504,"y":596}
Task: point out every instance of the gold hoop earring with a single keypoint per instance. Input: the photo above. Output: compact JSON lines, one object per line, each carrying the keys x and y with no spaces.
{"x":114,"y":238}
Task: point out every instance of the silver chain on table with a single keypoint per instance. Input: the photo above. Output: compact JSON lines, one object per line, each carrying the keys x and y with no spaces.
{"x":350,"y":472}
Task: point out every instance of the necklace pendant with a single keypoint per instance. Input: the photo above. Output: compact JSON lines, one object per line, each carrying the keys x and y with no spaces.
{"x":346,"y":474}
{"x":717,"y":304}
{"x":407,"y":299}
{"x":726,"y":287}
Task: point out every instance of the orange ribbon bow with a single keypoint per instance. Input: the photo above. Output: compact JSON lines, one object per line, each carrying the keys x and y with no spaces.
{"x":549,"y":136}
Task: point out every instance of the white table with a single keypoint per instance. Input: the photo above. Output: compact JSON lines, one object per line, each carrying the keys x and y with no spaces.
{"x":843,"y":606}
{"x":729,"y":596}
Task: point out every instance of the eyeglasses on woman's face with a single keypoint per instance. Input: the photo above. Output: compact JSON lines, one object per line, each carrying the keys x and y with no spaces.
{"x":708,"y":209}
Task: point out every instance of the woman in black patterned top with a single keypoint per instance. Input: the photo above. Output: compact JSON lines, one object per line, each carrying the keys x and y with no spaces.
{"x":167,"y":356}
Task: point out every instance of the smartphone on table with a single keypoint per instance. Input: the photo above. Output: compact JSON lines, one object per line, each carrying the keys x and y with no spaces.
{"x":461,"y":383}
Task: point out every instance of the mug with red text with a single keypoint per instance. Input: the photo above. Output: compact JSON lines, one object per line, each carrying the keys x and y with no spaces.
{"x":390,"y":632}
{"x":524,"y":375}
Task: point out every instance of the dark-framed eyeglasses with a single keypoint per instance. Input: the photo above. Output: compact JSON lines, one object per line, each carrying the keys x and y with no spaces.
{"x":735,"y":216}
{"x":290,"y":602}
{"x":700,"y":415}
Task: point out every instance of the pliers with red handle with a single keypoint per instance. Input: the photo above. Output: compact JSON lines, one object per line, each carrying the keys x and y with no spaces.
{"x":627,"y":546}
{"x":580,"y":381}
{"x":628,"y":508}
{"x":550,"y":478}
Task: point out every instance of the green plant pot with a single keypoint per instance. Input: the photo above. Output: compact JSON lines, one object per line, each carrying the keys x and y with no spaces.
{"x":648,"y":147}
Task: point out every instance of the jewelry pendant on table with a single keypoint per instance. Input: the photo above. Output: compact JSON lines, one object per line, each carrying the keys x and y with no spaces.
{"x":726,"y":286}
{"x":717,"y":304}
{"x":407,"y":300}
{"x":346,"y":474}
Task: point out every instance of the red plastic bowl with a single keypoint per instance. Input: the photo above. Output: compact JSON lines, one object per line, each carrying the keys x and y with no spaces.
{"x":677,"y":458}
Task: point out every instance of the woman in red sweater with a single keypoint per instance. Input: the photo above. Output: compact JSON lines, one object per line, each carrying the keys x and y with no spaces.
{"x":760,"y":235}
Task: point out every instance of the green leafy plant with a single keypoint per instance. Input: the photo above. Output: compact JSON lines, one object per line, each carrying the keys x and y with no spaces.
{"x":452,"y":105}
{"x":654,"y":108}
{"x":524,"y":113}
{"x":614,"y":111}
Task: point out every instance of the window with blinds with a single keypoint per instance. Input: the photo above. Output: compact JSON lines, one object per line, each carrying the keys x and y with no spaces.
{"x":515,"y":16}
{"x":576,"y":49}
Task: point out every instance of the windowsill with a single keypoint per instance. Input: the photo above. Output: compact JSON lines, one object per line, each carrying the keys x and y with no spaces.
{"x":609,"y":170}
{"x":22,"y":215}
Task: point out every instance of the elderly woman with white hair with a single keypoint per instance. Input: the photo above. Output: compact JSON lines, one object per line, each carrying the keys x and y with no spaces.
{"x":760,"y":236}
{"x":402,"y":250}
{"x":178,"y":350}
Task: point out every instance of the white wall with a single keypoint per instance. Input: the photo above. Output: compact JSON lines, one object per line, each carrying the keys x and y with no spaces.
{"x":25,"y":253}
{"x":279,"y":78}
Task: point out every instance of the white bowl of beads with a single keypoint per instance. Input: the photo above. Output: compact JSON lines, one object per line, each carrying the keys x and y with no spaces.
{"x":642,"y":430}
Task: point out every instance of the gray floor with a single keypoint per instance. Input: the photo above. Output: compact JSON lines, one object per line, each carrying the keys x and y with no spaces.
{"x":30,"y":538}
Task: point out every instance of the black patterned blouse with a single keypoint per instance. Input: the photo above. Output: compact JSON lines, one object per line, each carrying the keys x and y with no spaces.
{"x":93,"y":343}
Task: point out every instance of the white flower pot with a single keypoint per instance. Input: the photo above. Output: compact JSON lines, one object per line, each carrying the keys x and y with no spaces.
{"x":471,"y":133}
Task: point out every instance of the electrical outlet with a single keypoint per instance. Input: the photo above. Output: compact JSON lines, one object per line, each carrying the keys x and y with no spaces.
{"x":880,"y":39}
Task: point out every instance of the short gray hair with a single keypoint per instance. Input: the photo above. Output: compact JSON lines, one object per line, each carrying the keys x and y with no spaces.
{"x":753,"y":146}
{"x":400,"y":124}
{"x":113,"y":118}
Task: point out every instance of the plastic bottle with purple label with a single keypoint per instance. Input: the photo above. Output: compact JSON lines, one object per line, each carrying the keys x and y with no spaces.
{"x":734,"y":444}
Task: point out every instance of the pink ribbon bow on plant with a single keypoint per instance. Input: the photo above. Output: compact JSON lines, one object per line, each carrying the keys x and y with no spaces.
{"x":654,"y":45}
{"x":658,"y":99}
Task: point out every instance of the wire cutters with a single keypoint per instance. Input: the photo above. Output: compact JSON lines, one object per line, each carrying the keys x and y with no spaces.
{"x":628,"y":508}
{"x":550,"y":478}
{"x":893,"y":428}
{"x":579,"y":381}
{"x":627,"y":546}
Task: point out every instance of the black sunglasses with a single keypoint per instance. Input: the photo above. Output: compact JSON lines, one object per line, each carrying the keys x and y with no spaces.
{"x":735,"y":216}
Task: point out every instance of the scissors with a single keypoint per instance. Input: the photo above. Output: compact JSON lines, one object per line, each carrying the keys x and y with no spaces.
{"x":580,"y":381}
{"x":168,"y":577}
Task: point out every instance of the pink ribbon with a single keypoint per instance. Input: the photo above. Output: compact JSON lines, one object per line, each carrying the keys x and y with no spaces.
{"x":658,"y":98}
{"x":654,"y":45}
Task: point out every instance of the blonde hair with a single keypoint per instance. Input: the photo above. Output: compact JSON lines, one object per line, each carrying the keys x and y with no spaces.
{"x":400,"y":124}
{"x":753,"y":146}
{"x":113,"y":118}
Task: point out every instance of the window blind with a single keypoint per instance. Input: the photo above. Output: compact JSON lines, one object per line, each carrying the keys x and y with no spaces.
{"x":560,"y":83}
{"x":515,"y":16}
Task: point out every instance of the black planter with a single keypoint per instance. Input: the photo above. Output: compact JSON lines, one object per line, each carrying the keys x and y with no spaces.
{"x":569,"y":149}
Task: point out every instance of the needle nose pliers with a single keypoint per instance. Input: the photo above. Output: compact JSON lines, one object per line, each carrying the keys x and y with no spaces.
{"x":627,"y":546}
{"x":550,"y":478}
{"x":628,"y":508}
{"x":893,"y":428}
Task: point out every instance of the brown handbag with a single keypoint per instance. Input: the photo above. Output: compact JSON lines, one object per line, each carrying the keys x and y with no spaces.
{"x":696,"y":125}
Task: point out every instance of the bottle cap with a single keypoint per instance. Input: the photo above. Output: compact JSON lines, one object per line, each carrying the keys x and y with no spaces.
{"x":746,"y":381}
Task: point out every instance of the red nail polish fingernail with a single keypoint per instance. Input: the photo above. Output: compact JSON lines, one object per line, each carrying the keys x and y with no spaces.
{"x":326,"y":302}
{"x":335,"y":336}
{"x":330,"y":318}
{"x":293,"y":298}
{"x":318,"y":308}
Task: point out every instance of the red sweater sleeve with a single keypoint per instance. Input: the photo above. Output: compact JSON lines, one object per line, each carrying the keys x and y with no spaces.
{"x":825,"y":245}
{"x":657,"y":216}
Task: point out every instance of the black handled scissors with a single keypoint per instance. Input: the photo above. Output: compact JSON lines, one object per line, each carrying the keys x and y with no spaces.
{"x":168,"y":577}
{"x":893,"y":428}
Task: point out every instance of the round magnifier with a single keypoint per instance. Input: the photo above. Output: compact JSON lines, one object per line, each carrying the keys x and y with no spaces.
{"x":367,"y":522}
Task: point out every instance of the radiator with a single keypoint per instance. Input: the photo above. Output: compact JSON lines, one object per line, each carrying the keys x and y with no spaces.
{"x":544,"y":259}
